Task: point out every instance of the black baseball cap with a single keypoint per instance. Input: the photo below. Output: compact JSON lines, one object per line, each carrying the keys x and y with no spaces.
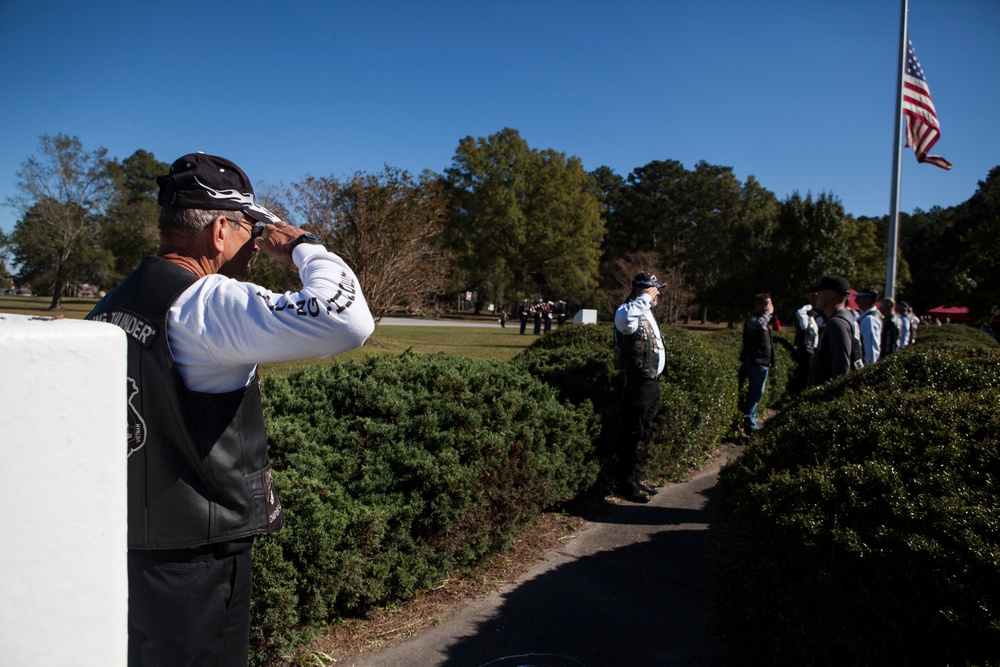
{"x":835,"y":283}
{"x":643,"y":279}
{"x":212,"y":183}
{"x":869,"y":292}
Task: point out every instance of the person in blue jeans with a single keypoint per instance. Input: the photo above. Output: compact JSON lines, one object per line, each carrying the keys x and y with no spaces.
{"x":756,"y":357}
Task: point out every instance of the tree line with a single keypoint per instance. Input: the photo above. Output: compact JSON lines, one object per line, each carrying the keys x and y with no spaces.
{"x":511,"y":222}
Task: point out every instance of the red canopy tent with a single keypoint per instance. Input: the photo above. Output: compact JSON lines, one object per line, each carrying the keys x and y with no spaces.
{"x":951,"y":313}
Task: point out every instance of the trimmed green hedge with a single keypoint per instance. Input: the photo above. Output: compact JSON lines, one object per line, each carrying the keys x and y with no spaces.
{"x":947,"y":335}
{"x":779,"y":379}
{"x":862,"y":525}
{"x":698,"y":393}
{"x":395,"y":472}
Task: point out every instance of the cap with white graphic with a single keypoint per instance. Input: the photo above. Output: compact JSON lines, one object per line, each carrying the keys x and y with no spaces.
{"x":212,"y":183}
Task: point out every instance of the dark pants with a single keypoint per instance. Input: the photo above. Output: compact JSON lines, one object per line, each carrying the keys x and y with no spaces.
{"x":640,"y":398}
{"x":800,"y":379}
{"x":189,"y":606}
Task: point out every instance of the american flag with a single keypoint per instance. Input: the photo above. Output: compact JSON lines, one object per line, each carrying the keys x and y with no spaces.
{"x":922,"y":129}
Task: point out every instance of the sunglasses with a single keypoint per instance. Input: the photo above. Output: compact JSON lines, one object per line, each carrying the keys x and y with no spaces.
{"x":256,"y":229}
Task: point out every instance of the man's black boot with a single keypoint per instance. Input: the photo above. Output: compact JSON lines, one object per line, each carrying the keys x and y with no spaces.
{"x":631,"y":491}
{"x":648,"y":488}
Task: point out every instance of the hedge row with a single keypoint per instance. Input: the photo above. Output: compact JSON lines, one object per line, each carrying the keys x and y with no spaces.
{"x":862,"y":525}
{"x":396,"y":472}
{"x":698,"y":403}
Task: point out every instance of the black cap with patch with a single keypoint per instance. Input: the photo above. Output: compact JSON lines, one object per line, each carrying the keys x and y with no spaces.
{"x":643,"y":279}
{"x":210,"y":183}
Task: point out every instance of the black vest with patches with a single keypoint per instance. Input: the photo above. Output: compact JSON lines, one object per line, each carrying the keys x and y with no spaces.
{"x":636,"y":352}
{"x":198,"y":471}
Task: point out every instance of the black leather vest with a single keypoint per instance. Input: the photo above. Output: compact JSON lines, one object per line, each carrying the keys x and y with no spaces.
{"x":636,"y":352}
{"x":198,"y":471}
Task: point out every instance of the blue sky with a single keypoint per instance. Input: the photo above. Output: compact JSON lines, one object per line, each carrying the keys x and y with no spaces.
{"x":798,"y":94}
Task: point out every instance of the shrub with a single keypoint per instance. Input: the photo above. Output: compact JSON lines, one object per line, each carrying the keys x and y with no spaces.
{"x":696,"y":405}
{"x":953,"y":334}
{"x":727,"y":343}
{"x":396,"y":471}
{"x":862,"y":527}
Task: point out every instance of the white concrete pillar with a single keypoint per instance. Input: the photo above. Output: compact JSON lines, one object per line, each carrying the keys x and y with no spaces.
{"x":63,"y":579}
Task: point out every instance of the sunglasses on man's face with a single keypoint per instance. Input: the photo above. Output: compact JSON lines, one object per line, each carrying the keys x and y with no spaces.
{"x":256,"y":228}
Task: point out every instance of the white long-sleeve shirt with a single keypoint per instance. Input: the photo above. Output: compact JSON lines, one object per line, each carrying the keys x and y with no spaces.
{"x":627,"y":321}
{"x":219,"y":328}
{"x":807,"y":322}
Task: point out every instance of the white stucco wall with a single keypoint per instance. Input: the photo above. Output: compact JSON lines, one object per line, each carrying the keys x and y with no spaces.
{"x":63,"y":580}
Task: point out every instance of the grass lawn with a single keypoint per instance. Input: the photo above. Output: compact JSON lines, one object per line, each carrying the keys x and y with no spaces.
{"x":474,"y":342}
{"x":38,"y":306}
{"x":491,"y":342}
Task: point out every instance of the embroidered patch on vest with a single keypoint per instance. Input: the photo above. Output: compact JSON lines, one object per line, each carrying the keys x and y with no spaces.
{"x":272,"y":503}
{"x":136,"y":424}
{"x":140,"y":330}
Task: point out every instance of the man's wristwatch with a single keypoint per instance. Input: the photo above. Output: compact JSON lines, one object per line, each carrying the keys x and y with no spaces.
{"x":306,"y":238}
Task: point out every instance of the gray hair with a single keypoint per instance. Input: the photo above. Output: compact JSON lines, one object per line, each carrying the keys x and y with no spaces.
{"x":193,"y":220}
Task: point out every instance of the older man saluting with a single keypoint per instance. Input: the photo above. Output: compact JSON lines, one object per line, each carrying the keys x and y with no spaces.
{"x":641,"y":357}
{"x":199,"y":479}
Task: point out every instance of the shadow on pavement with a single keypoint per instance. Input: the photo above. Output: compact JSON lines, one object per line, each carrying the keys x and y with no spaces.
{"x":640,"y":603}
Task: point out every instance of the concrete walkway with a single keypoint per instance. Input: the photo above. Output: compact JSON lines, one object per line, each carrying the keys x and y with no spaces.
{"x":627,"y":590}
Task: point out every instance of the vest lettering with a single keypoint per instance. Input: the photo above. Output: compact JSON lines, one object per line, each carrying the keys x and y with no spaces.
{"x":186,"y":449}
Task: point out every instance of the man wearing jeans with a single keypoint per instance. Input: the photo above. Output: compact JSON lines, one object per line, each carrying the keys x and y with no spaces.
{"x":756,"y":357}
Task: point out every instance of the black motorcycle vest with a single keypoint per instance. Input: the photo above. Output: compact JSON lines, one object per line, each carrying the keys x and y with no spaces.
{"x":198,"y":471}
{"x":636,"y":352}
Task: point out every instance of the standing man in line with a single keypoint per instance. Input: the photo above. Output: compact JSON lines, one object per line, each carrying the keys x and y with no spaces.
{"x":870,"y":324}
{"x":756,"y":356}
{"x":839,"y":349}
{"x":641,"y":357}
{"x":890,"y":326}
{"x":902,"y":309}
{"x":806,"y":342}
{"x":914,"y":323}
{"x":199,"y":480}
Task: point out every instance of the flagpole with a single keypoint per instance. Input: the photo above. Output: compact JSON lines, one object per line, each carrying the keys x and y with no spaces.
{"x":897,"y":160}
